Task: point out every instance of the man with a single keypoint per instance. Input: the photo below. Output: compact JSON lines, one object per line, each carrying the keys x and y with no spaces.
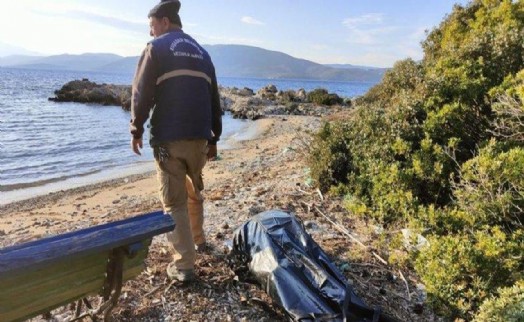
{"x":176,"y":79}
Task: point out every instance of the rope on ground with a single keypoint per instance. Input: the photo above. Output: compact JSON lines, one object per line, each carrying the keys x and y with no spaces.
{"x":405,"y":282}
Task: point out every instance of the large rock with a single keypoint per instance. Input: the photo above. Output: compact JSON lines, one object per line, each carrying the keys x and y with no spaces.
{"x":247,"y":92}
{"x":248,"y":108}
{"x":270,"y":101}
{"x":84,"y":91}
{"x":241,"y":103}
{"x":268,"y":92}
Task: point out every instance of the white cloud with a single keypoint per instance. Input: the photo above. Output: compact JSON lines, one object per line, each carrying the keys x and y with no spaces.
{"x":85,"y":11}
{"x":372,"y":36}
{"x":364,"y":20}
{"x":381,"y":44}
{"x":58,"y":27}
{"x":215,"y":40}
{"x":120,"y":24}
{"x":367,"y":29}
{"x":251,"y":21}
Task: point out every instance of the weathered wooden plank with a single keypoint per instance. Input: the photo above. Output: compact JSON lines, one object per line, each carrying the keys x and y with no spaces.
{"x":68,"y":274}
{"x":132,"y":272}
{"x":39,"y":276}
{"x":85,"y":241}
{"x":59,"y":271}
{"x":23,"y":312}
{"x":45,"y":285}
{"x":63,"y":294}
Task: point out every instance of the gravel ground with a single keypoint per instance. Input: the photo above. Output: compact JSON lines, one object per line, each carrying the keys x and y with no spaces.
{"x":266,"y":173}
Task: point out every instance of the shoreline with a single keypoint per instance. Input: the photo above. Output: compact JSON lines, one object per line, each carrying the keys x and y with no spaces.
{"x":138,"y":169}
{"x":75,"y":182}
{"x":116,"y":198}
{"x":245,"y":180}
{"x":52,"y":196}
{"x":268,"y":172}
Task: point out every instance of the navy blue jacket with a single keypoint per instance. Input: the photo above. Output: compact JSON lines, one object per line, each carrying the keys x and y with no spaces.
{"x":176,"y":78}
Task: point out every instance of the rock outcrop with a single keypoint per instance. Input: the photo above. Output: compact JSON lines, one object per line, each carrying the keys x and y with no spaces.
{"x":241,"y":103}
{"x":270,"y":101}
{"x":84,"y":91}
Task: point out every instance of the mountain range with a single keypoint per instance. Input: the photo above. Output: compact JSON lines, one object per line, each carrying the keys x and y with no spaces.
{"x":229,"y":60}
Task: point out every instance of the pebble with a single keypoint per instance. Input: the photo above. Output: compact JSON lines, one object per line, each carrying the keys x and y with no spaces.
{"x":311,"y":224}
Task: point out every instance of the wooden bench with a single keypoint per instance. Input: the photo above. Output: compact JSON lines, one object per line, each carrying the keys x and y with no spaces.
{"x":39,"y":276}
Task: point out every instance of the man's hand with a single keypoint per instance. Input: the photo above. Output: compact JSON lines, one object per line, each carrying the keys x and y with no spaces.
{"x":211,"y":152}
{"x":136,"y":145}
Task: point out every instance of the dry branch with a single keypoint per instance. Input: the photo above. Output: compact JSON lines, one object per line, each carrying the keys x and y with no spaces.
{"x":343,"y":230}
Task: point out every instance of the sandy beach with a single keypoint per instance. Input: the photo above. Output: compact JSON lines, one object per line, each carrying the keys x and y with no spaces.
{"x":120,"y":198}
{"x":263,"y":173}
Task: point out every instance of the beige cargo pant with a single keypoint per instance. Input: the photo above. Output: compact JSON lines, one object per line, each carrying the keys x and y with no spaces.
{"x":180,"y":179}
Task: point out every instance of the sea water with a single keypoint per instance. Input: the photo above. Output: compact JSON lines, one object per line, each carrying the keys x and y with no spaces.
{"x":47,"y":146}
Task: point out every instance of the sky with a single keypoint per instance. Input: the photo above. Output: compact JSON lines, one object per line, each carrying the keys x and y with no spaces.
{"x":359,"y":32}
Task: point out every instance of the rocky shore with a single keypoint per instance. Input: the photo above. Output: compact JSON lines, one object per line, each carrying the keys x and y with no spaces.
{"x":85,"y":91}
{"x":241,"y":103}
{"x":268,"y":172}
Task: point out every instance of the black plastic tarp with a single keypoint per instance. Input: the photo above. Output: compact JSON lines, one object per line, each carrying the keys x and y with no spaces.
{"x":297,"y":274}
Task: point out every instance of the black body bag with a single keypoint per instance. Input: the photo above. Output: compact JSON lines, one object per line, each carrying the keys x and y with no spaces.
{"x":296,"y":273}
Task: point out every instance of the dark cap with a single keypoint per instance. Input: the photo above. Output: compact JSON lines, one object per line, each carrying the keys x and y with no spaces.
{"x":168,"y":9}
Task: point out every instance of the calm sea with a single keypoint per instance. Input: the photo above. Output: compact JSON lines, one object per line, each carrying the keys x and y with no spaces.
{"x":47,"y":146}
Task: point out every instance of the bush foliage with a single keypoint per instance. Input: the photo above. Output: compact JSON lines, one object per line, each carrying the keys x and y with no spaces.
{"x":439,"y":145}
{"x":508,"y":306}
{"x":322,"y":97}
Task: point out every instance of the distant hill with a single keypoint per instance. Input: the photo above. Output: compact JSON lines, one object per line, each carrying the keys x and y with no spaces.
{"x":248,"y":61}
{"x":83,"y":62}
{"x":123,"y":65}
{"x":229,"y":60}
{"x":14,"y":60}
{"x":10,"y":50}
{"x":350,"y":66}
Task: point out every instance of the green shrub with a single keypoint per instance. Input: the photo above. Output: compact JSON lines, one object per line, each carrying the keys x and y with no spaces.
{"x":476,"y":46}
{"x":463,"y":126}
{"x":401,"y":85}
{"x":513,"y":86}
{"x":443,"y":221}
{"x":438,"y":145}
{"x":355,"y":205}
{"x":507,"y":306}
{"x":330,"y":160}
{"x":322,"y":97}
{"x":424,"y":120}
{"x":491,"y":188}
{"x":287,"y":96}
{"x":347,"y":153}
{"x":508,"y":125}
{"x":291,"y":108}
{"x":463,"y":270}
{"x":392,"y":201}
